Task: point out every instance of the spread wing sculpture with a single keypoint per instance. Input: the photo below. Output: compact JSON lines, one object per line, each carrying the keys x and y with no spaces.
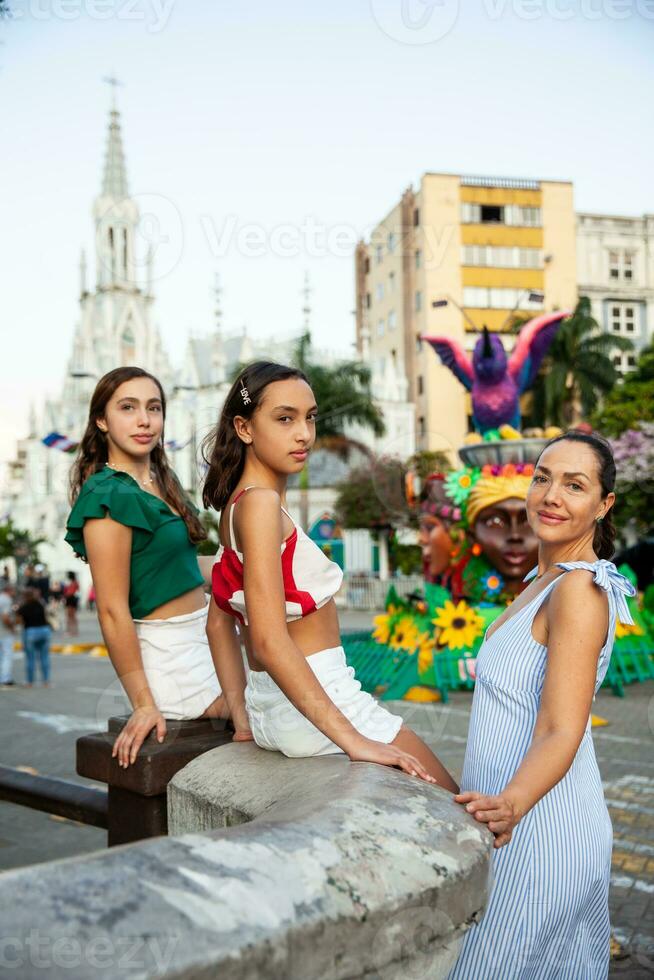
{"x":495,"y":381}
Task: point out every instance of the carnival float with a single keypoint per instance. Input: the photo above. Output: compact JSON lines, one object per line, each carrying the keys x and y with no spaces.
{"x":477,"y":545}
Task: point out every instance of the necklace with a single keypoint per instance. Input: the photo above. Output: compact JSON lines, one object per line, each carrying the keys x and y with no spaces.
{"x":143,"y":483}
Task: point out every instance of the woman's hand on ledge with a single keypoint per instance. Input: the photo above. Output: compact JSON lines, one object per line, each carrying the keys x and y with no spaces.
{"x":137,"y":729}
{"x":500,"y":813}
{"x":242,"y":735}
{"x":367,"y":750}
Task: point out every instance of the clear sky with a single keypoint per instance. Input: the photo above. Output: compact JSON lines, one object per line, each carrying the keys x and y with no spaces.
{"x":265,"y":138}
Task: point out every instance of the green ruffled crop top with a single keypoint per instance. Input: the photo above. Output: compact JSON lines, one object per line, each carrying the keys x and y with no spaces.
{"x":164,"y":562}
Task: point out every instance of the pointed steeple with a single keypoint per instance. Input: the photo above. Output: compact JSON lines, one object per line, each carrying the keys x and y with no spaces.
{"x":114,"y":180}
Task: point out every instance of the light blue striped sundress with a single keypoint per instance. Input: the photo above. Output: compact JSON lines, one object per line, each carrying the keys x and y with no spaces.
{"x":547,"y":916}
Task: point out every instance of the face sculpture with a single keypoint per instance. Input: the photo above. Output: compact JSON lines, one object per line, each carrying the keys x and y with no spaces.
{"x":436,"y":517}
{"x":436,"y":544}
{"x":508,"y":542}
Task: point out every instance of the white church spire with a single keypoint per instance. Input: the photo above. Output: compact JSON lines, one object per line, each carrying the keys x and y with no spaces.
{"x":114,"y":180}
{"x":116,"y":215}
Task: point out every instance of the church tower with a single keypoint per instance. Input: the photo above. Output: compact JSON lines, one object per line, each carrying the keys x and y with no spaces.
{"x":115,"y":327}
{"x":116,"y":218}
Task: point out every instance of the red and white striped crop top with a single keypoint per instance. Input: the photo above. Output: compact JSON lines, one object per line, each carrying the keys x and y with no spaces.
{"x":310,"y":578}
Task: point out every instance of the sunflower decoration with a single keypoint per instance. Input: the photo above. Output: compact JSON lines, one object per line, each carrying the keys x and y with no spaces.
{"x":460,"y":625}
{"x":624,"y":629}
{"x":459,"y":483}
{"x":426,"y":651}
{"x":406,"y":635}
{"x":382,"y":630}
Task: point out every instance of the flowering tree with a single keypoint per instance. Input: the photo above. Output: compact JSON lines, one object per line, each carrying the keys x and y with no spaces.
{"x":634,"y":458}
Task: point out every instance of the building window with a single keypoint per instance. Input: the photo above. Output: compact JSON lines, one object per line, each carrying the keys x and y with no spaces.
{"x":421,"y":427}
{"x":623,"y":363}
{"x":421,"y":385}
{"x":392,"y":241}
{"x":621,"y":265}
{"x":623,"y":318}
{"x":368,"y":301}
{"x":379,"y":253}
{"x":416,"y":217}
{"x":483,"y":298}
{"x":391,"y":282}
{"x":500,"y":256}
{"x":418,"y":258}
{"x":418,"y":301}
{"x":392,"y":320}
{"x":366,"y":266}
{"x":418,"y":343}
{"x":380,"y":327}
{"x":627,"y":265}
{"x":491,"y":214}
{"x":509,"y":214}
{"x":380,"y":291}
{"x":614,"y":265}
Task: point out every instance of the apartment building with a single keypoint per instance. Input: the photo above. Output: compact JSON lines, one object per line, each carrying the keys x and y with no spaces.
{"x":615,"y":262}
{"x":452,"y":256}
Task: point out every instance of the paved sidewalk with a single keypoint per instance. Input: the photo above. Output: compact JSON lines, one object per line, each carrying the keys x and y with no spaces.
{"x":38,"y":729}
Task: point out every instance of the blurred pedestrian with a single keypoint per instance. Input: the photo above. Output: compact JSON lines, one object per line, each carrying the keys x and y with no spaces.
{"x":90,"y":599}
{"x":71,"y":602}
{"x":42,"y":582}
{"x":36,"y":637}
{"x":7,"y":634}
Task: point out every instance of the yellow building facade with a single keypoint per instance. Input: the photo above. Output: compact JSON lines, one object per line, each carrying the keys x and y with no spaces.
{"x":488,"y":252}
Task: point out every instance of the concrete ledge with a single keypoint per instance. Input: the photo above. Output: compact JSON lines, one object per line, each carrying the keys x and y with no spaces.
{"x":341,"y":871}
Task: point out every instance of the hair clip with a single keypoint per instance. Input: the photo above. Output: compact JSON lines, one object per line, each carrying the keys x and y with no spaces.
{"x":245,"y":394}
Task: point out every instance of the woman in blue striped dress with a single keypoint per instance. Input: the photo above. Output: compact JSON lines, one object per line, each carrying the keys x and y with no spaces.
{"x":530,"y":771}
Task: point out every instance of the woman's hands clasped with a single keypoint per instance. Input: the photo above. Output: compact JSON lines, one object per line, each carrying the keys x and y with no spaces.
{"x":500,"y":813}
{"x":367,"y":750}
{"x":135,"y":732}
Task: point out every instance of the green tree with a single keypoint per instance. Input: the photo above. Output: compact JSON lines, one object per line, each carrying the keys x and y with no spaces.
{"x":373,"y":496}
{"x":18,"y":544}
{"x":577,"y":370}
{"x":631,"y":402}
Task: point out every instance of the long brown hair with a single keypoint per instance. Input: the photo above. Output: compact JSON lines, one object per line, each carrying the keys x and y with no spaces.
{"x":605,"y":530}
{"x":223,"y":451}
{"x":92,"y":453}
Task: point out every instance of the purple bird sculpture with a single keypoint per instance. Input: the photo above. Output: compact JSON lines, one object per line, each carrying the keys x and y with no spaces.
{"x":495,"y":381}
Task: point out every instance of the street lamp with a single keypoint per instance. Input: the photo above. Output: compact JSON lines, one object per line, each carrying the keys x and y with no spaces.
{"x":535,"y":296}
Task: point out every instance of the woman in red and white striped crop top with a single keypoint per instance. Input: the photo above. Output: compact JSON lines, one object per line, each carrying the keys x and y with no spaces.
{"x":310,"y":578}
{"x":300,"y":697}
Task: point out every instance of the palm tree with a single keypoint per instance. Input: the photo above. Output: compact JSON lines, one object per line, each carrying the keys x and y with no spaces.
{"x":344,"y":397}
{"x":578,"y":369}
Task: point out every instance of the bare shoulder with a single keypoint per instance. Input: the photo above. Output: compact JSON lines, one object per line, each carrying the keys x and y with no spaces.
{"x":259,"y":502}
{"x":258,"y":519}
{"x":578,"y":597}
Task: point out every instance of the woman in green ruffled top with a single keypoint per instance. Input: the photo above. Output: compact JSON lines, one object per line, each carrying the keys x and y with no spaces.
{"x":138,"y":531}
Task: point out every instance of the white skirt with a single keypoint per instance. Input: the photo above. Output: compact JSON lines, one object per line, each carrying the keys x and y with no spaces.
{"x":278,"y":725}
{"x":178,"y":665}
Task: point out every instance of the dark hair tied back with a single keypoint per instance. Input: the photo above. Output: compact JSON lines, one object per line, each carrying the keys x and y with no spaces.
{"x":605,"y":530}
{"x":222,"y":450}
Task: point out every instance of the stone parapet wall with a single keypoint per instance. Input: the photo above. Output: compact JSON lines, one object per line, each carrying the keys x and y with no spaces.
{"x":285,"y":868}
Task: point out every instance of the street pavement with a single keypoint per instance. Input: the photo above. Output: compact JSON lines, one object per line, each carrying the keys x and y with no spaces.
{"x":39,"y":727}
